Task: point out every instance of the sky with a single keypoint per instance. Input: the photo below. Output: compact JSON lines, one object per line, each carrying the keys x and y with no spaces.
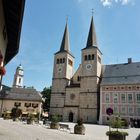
{"x":117,"y":26}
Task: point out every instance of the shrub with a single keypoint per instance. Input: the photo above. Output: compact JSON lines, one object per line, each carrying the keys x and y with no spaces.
{"x":80,"y":121}
{"x":55,"y":118}
{"x":16,"y":112}
{"x":116,"y":133}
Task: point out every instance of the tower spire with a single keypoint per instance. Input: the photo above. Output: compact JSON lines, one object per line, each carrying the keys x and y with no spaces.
{"x":91,"y":41}
{"x":65,"y":45}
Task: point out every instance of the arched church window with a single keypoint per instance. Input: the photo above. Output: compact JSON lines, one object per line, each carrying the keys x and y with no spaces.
{"x":89,"y":57}
{"x":92,"y":56}
{"x":57,"y":61}
{"x":61,"y":60}
{"x":78,"y":78}
{"x":19,"y":80}
{"x":85,"y":57}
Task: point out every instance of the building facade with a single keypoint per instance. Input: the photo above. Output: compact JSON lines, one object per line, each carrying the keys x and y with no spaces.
{"x":76,"y":95}
{"x":29,"y":100}
{"x":11,"y":15}
{"x":120,"y":90}
{"x":93,"y":88}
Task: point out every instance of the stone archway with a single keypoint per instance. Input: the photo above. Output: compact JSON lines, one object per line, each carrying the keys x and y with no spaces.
{"x":71,"y":115}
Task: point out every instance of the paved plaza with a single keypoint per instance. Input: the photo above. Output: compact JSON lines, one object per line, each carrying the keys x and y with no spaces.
{"x":10,"y":130}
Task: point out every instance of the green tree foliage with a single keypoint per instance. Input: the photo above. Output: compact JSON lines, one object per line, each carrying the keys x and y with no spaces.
{"x":46,"y":94}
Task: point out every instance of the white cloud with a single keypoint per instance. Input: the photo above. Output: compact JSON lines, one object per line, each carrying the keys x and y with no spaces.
{"x":108,"y":3}
{"x":124,"y":2}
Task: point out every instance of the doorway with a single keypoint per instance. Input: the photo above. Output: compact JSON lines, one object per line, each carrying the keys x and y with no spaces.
{"x":71,"y":117}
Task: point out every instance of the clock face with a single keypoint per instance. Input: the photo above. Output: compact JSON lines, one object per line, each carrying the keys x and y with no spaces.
{"x":59,"y":69}
{"x":88,"y":66}
{"x":21,"y":72}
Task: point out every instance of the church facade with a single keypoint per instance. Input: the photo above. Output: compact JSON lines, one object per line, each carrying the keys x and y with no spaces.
{"x":94,"y":87}
{"x":76,"y":95}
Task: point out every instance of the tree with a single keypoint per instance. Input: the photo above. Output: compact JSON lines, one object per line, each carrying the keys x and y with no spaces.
{"x":46,"y":94}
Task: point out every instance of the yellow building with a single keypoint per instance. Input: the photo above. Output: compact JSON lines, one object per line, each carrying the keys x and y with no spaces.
{"x":27,"y":99}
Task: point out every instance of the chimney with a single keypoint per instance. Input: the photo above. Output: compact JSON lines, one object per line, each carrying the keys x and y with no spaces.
{"x":129,"y":60}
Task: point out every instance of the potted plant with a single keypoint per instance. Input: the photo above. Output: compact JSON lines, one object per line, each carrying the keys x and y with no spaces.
{"x":116,"y":134}
{"x":54,"y":122}
{"x":30,"y":118}
{"x":16,"y":113}
{"x":79,"y":128}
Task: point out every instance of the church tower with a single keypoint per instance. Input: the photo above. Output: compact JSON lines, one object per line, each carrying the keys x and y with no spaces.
{"x":18,"y":77}
{"x":62,"y":73}
{"x":90,"y":77}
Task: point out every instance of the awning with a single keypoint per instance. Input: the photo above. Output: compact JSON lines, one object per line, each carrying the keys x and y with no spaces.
{"x":34,"y":113}
{"x":24,"y":112}
{"x":8,"y":111}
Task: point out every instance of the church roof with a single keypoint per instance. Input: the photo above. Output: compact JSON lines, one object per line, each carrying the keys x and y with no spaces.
{"x":65,"y":44}
{"x":20,"y":67}
{"x":127,"y":73}
{"x":91,"y":41}
{"x":26,"y":94}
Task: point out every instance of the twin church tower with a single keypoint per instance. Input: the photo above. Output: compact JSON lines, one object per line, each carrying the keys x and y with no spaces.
{"x":76,"y":95}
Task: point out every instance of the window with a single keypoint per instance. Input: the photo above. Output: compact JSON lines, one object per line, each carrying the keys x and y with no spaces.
{"x":130,"y":98}
{"x":138,"y":97}
{"x":130,"y":111}
{"x":138,"y":111}
{"x":63,"y":60}
{"x":92,"y":56}
{"x":89,"y":57}
{"x":115,"y":98}
{"x":17,"y":104}
{"x":123,"y":110}
{"x":123,"y":98}
{"x":107,"y":98}
{"x":99,"y":59}
{"x":78,"y":78}
{"x":70,"y":62}
{"x":57,"y":61}
{"x":27,"y":104}
{"x":34,"y":105}
{"x":19,"y":80}
{"x":85,"y":57}
{"x":116,"y":110}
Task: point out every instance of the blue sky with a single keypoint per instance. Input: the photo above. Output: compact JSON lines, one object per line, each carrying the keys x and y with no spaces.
{"x":117,"y":26}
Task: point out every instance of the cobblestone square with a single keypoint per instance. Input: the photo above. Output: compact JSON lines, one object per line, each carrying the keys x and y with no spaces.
{"x":10,"y":130}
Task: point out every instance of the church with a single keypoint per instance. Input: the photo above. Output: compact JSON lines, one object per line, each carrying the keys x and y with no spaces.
{"x":27,"y":99}
{"x":94,"y":87}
